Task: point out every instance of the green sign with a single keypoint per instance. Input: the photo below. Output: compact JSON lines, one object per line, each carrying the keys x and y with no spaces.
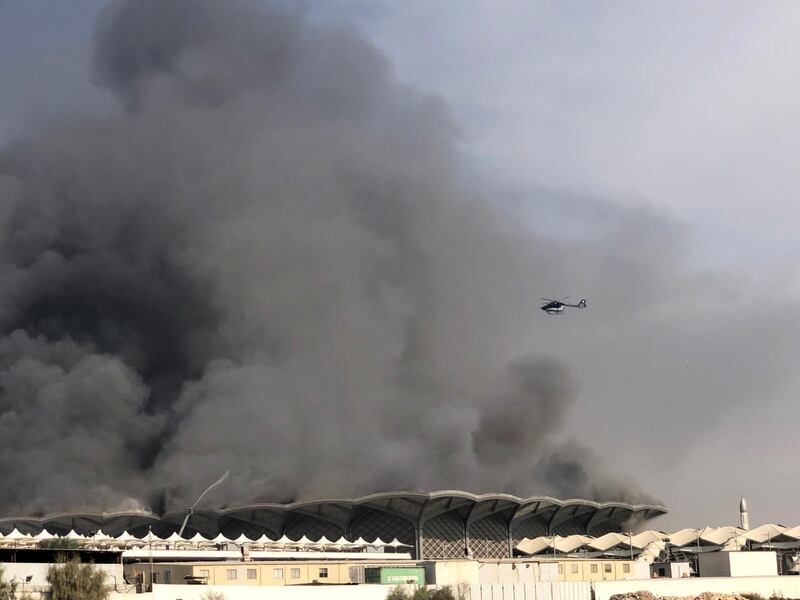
{"x":401,"y":575}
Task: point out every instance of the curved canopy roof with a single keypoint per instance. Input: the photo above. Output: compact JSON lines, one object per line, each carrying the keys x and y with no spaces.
{"x":414,"y":508}
{"x":708,"y":539}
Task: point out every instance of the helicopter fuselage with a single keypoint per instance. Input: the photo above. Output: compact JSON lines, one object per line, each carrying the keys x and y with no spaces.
{"x":553,"y":308}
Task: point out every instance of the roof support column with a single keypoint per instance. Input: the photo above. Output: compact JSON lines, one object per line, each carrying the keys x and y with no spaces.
{"x":418,"y":539}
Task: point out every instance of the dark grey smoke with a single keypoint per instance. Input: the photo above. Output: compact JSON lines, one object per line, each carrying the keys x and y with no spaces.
{"x":264,"y":262}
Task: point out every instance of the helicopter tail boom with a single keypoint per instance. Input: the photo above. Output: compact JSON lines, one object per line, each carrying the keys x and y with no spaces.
{"x":581,"y":304}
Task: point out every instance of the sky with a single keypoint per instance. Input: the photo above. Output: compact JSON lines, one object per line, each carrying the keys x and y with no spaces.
{"x":682,"y":106}
{"x":655,"y":146}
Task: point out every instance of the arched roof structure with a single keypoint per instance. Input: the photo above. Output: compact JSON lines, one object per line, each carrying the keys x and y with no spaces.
{"x":688,"y":541}
{"x":443,"y":524}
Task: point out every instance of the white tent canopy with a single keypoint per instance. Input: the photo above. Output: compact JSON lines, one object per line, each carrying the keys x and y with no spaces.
{"x":74,"y":535}
{"x":221,"y":539}
{"x":265,"y":540}
{"x":17,"y":536}
{"x":127,"y":538}
{"x":304,"y":541}
{"x":243,"y":539}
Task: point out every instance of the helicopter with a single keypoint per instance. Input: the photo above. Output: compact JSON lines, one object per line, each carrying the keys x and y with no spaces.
{"x":556,"y":307}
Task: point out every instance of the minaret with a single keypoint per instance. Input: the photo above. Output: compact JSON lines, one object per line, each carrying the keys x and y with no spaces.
{"x":744,"y":521}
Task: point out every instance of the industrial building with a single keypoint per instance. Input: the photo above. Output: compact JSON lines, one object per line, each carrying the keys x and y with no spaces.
{"x":249,"y":573}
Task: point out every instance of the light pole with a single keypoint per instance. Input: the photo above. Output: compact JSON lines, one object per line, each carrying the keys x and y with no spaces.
{"x":150,"y":539}
{"x":697,"y":554}
{"x":193,"y":506}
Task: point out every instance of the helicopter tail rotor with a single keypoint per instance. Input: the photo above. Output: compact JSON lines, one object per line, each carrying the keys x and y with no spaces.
{"x":582,"y":303}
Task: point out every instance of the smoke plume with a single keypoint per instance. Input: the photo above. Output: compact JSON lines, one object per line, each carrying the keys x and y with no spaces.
{"x":264,"y":261}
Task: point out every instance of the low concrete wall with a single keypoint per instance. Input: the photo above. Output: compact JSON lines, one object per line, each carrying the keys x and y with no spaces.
{"x":283,"y":592}
{"x":510,"y":591}
{"x":786,"y":586}
{"x":543,"y":590}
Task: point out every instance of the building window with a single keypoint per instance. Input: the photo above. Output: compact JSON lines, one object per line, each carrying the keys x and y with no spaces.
{"x":573,"y":568}
{"x":626,"y":568}
{"x":204,"y":574}
{"x":607,"y":568}
{"x":232,"y":574}
{"x":295,"y":573}
{"x":560,"y":568}
{"x":167,"y":576}
{"x":252,"y":574}
{"x":323,"y":572}
{"x":277,"y":573}
{"x":594,"y":568}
